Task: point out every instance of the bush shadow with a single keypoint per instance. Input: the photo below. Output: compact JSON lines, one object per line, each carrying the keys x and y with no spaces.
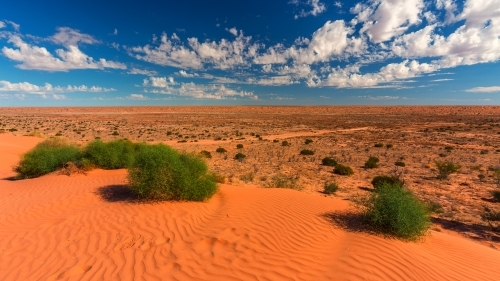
{"x":473,"y":231}
{"x":117,"y":193}
{"x":348,"y":221}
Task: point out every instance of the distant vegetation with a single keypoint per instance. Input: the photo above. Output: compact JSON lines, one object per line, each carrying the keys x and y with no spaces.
{"x":343,"y":170}
{"x":306,"y":152}
{"x":327,"y":161}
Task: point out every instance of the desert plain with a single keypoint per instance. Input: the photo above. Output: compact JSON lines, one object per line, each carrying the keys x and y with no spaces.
{"x":88,"y":226}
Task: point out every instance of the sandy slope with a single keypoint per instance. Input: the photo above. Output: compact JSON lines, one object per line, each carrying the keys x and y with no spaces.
{"x":85,"y":227}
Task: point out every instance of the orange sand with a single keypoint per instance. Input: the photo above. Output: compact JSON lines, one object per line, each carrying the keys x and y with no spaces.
{"x":85,"y":227}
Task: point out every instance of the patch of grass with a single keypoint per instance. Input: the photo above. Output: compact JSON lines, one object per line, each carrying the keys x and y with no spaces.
{"x":240,"y":156}
{"x":285,"y":143}
{"x":239,"y":146}
{"x":283,"y":181}
{"x":161,"y":173}
{"x":330,"y":187}
{"x":434,"y":207}
{"x":46,"y":157}
{"x":445,"y":169}
{"x":308,"y":141}
{"x":306,"y":152}
{"x":400,"y":164}
{"x":378,"y":181}
{"x":372,"y":162}
{"x":248,"y":177}
{"x":395,"y":211}
{"x":327,"y":161}
{"x":492,"y":218}
{"x":343,"y":170}
{"x":220,"y":150}
{"x":115,"y":154}
{"x":205,"y":154}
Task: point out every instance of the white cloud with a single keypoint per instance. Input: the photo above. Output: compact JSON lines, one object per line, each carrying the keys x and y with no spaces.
{"x":71,"y":37}
{"x":34,"y":57}
{"x":14,"y":25}
{"x":116,"y":32}
{"x":47,"y":90}
{"x":142,"y":72}
{"x":385,"y":19}
{"x":442,"y":80}
{"x":137,"y":97}
{"x":273,"y":81}
{"x":315,"y":5}
{"x":492,"y":89}
{"x":233,"y":31}
{"x":162,"y":85}
{"x":183,"y":73}
{"x":378,"y":97}
{"x":450,"y":7}
{"x":2,"y":24}
{"x":337,"y":4}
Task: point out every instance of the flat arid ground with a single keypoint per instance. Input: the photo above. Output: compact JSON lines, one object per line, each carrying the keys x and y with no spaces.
{"x":89,"y":227}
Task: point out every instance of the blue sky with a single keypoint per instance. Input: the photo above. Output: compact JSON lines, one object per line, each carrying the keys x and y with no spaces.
{"x":290,"y":52}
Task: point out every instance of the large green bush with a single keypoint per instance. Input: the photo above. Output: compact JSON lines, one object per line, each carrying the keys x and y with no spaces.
{"x":396,"y":211}
{"x":115,"y":154}
{"x":47,"y":157}
{"x":161,"y":173}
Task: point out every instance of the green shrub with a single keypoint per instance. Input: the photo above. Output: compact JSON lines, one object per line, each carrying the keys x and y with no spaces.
{"x":389,"y":146}
{"x":239,"y":146}
{"x":220,"y":150}
{"x":330,"y":188}
{"x":379,"y":145}
{"x":47,"y":157}
{"x":378,"y":181}
{"x":308,"y":141}
{"x":161,"y":173}
{"x":285,"y":143}
{"x":396,"y":211}
{"x":306,"y":152}
{"x":327,"y":161}
{"x":492,"y":218}
{"x":448,"y":148}
{"x":343,"y":170}
{"x":115,"y":154}
{"x":434,"y":207}
{"x":372,"y":162}
{"x":240,"y":156}
{"x":496,"y":195}
{"x":283,"y":181}
{"x":400,"y":164}
{"x":205,"y":154}
{"x":445,"y":169}
{"x":115,"y":133}
{"x":248,"y":177}
{"x":276,"y":141}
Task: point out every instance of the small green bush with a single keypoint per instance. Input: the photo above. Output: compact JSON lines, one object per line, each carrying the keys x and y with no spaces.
{"x":330,"y":187}
{"x":378,"y":181}
{"x":239,"y":146}
{"x":379,"y":145}
{"x":115,"y":154}
{"x":306,"y":152}
{"x":248,"y":177}
{"x":389,"y":146}
{"x":400,"y":164}
{"x":283,"y":181}
{"x":496,"y":195}
{"x":205,"y":154}
{"x":115,"y":133}
{"x":47,"y":157}
{"x":396,"y":211}
{"x":161,"y":173}
{"x":285,"y":143}
{"x":372,"y":162}
{"x":308,"y":141}
{"x":445,"y":169}
{"x":220,"y":150}
{"x":275,"y":141}
{"x":343,"y":170}
{"x":327,"y":161}
{"x":240,"y":156}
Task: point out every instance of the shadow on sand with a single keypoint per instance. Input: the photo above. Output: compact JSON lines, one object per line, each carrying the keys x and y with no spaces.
{"x":117,"y":193}
{"x":474,"y":231}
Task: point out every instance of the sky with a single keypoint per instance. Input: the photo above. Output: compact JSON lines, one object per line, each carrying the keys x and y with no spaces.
{"x":256,"y":52}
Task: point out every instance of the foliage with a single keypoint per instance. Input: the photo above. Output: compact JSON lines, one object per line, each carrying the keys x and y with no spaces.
{"x":248,"y":177}
{"x":379,"y":145}
{"x":400,"y":164}
{"x":115,"y":154}
{"x":306,"y":152}
{"x":396,"y":211}
{"x":327,"y":161}
{"x":496,"y":195}
{"x":240,"y":156}
{"x":239,"y":146}
{"x":47,"y":157}
{"x":378,"y":181}
{"x":205,"y":154}
{"x":445,"y":169}
{"x":220,"y":150}
{"x":330,"y":187}
{"x":308,"y":141}
{"x":343,"y":170}
{"x":161,"y":173}
{"x":372,"y":162}
{"x":492,"y":218}
{"x":285,"y":143}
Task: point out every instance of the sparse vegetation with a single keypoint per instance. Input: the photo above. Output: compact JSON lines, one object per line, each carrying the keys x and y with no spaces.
{"x":240,"y":156}
{"x":308,"y":141}
{"x":220,"y":150}
{"x":445,"y":169}
{"x":496,"y":195}
{"x":378,"y":181}
{"x":330,"y":187}
{"x":205,"y":154}
{"x":400,"y":164}
{"x":283,"y":181}
{"x":306,"y":152}
{"x":492,"y":218}
{"x":161,"y":173}
{"x":285,"y":143}
{"x":397,"y":212}
{"x":343,"y":170}
{"x":327,"y":161}
{"x":239,"y":146}
{"x":248,"y":177}
{"x":379,"y":145}
{"x":372,"y":162}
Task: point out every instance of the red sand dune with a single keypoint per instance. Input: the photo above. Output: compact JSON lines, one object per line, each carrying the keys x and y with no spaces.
{"x":85,"y":227}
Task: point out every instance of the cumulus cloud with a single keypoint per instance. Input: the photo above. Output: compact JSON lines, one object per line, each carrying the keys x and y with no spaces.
{"x":442,"y":80}
{"x":137,"y":97}
{"x":492,"y":89}
{"x":233,"y":31}
{"x":39,"y":58}
{"x":14,"y":25}
{"x":164,"y":85}
{"x":48,"y":89}
{"x":71,"y":37}
{"x":315,"y":6}
{"x":142,"y":72}
{"x":2,"y":24}
{"x":385,"y":19}
{"x":184,"y":74}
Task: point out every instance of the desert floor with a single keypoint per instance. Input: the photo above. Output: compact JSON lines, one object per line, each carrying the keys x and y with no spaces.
{"x":89,"y":227}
